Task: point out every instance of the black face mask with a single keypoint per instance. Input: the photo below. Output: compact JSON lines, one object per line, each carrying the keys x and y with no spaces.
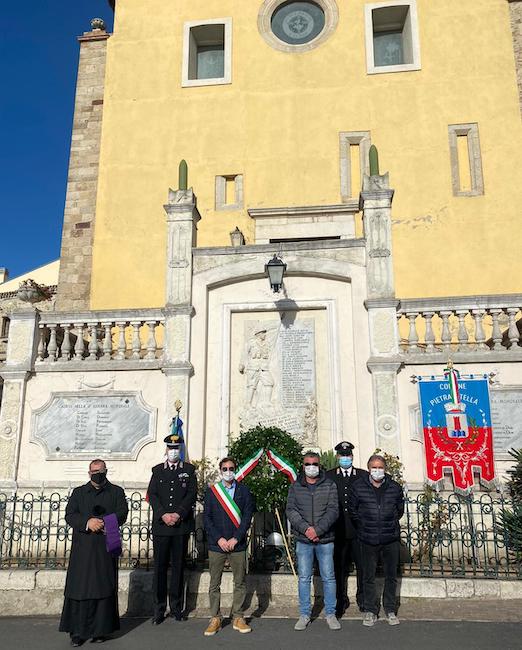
{"x":99,"y":478}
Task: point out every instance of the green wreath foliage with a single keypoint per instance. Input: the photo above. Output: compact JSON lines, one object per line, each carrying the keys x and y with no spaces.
{"x":269,"y":486}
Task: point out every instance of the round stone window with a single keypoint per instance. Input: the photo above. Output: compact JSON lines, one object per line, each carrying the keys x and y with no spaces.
{"x":297,"y":26}
{"x":297,"y":22}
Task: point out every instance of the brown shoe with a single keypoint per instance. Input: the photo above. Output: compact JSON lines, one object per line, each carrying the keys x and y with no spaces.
{"x":213,"y":626}
{"x":241,"y":625}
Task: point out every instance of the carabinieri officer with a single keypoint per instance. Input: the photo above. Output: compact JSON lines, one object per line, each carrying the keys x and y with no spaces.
{"x":346,"y":548}
{"x":172,"y":495}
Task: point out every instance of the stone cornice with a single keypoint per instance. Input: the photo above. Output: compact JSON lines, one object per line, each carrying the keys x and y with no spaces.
{"x":350,"y":207}
{"x":97,"y":35}
{"x":286,"y":247}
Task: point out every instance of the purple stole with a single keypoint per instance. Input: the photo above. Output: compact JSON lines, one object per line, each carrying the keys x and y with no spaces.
{"x":112,"y":535}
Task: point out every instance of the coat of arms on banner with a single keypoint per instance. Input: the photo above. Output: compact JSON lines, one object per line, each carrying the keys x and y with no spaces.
{"x":456,"y":421}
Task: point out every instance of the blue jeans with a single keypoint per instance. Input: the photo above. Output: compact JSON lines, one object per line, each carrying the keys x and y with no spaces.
{"x":305,"y":565}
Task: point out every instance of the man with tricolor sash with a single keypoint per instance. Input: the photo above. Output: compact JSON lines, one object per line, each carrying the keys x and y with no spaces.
{"x":229,"y":506}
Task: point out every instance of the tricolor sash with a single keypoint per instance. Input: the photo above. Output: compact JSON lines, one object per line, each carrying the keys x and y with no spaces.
{"x":227,"y":503}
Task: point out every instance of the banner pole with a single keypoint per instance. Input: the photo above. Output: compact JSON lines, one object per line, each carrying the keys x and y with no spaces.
{"x":285,"y":542}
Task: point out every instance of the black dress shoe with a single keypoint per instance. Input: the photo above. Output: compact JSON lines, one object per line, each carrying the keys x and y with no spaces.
{"x":98,"y":639}
{"x":176,"y":617}
{"x":76,"y":642}
{"x":157,"y":620}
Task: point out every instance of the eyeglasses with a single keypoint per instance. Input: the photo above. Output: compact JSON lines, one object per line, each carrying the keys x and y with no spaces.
{"x":311,"y":464}
{"x":228,"y":469}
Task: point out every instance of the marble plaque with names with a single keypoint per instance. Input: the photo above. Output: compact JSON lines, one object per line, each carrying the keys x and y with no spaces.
{"x":297,"y":364}
{"x":506,"y":418}
{"x":87,"y":424}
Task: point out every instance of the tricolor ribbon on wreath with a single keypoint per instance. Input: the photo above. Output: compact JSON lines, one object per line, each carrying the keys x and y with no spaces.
{"x":280,"y":463}
{"x":456,"y":422}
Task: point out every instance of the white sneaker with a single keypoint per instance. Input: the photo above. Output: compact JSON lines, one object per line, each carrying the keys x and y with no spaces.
{"x":392,"y":619}
{"x":369,"y":619}
{"x":332,"y":622}
{"x":302,"y":623}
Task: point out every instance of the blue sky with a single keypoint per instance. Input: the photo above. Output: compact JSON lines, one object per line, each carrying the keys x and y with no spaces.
{"x":38,"y":65}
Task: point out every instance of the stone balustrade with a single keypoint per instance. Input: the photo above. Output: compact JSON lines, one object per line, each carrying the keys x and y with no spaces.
{"x":112,"y":337}
{"x":470,"y":327}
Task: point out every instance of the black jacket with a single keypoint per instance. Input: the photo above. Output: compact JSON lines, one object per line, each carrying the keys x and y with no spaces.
{"x":376,"y":516}
{"x":173,"y":490}
{"x":344,"y":528}
{"x":218,"y":523}
{"x":316,"y":507}
{"x":92,"y":572}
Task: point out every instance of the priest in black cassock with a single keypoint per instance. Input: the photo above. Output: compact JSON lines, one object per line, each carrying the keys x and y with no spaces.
{"x":94,"y":512}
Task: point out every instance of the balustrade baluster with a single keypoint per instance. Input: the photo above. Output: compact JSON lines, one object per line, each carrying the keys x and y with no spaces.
{"x":122,"y":343}
{"x":446,"y":332}
{"x":52,"y":347}
{"x":463,"y":332}
{"x":480,"y":337}
{"x":79,"y":347}
{"x":151,"y":343}
{"x":413,"y":337}
{"x":41,"y":343}
{"x":107,"y":340}
{"x":93,"y":343}
{"x":136,"y":343}
{"x":429,"y":336}
{"x":513,"y":333}
{"x":66,"y":343}
{"x":496,"y":334}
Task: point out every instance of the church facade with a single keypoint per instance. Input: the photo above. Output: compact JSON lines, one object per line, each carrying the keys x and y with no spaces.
{"x":211,"y":139}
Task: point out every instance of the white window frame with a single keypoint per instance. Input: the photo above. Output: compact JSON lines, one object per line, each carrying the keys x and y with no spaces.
{"x":371,"y":68}
{"x":227,"y":78}
{"x":347,"y":138}
{"x":221,"y":192}
{"x":471,"y":131}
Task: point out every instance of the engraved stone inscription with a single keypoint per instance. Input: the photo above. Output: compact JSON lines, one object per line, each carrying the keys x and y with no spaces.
{"x":297,"y":362}
{"x":73,"y":424}
{"x":506,"y":418}
{"x":278,"y":364}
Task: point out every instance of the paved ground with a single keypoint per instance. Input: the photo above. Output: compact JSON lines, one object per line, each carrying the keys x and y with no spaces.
{"x":273,"y":633}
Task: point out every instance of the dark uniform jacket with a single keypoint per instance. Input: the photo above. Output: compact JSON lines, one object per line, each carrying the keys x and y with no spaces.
{"x":173,"y":490}
{"x":92,"y":572}
{"x":344,"y":528}
{"x":317,"y":507}
{"x":218,"y":524}
{"x":376,"y":516}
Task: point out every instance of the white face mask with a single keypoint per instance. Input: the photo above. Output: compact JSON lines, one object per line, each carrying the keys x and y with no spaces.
{"x":173,"y":455}
{"x":311,"y":471}
{"x":377,"y":473}
{"x":228,"y":476}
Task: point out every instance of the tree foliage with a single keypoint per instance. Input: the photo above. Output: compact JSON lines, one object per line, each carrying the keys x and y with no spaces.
{"x":269,"y":487}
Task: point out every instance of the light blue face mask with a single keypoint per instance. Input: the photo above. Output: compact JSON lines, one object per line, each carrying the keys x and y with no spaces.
{"x":345,"y":462}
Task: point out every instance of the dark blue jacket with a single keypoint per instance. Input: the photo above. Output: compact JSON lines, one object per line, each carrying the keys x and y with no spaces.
{"x":376,"y":520}
{"x":218,"y":524}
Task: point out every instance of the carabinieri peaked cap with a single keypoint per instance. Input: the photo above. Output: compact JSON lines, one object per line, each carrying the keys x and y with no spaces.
{"x":344,"y":448}
{"x":173,"y":440}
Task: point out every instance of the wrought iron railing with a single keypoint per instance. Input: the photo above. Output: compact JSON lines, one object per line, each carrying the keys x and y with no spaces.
{"x":442,"y":535}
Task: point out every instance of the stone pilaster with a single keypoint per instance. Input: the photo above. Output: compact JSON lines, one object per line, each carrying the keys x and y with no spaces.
{"x":21,"y":345}
{"x":375,"y":202}
{"x":182,"y":217}
{"x":515,"y":15}
{"x":74,"y":282}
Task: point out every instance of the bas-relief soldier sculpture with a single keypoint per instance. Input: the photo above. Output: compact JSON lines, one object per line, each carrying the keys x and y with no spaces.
{"x":256,"y":365}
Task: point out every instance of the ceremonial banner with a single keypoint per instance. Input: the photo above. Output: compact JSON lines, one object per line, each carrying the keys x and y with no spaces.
{"x":456,"y":421}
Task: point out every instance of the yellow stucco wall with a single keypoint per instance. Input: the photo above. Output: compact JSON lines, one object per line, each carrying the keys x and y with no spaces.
{"x":278,"y":124}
